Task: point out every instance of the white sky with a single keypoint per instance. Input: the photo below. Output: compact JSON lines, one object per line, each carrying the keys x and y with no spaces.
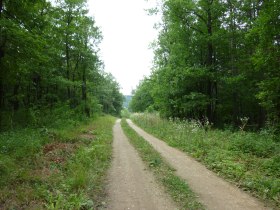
{"x":127,"y":32}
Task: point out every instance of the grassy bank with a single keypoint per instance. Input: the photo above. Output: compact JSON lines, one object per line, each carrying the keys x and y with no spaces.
{"x":177,"y":188}
{"x":250,"y":160}
{"x":60,"y":166}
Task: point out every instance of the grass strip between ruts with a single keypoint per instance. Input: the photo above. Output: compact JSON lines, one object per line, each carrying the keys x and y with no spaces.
{"x":250,"y":160}
{"x":176,"y":187}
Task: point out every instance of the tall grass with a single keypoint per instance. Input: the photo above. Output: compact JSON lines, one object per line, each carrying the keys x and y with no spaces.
{"x":61,"y":165}
{"x":250,"y":160}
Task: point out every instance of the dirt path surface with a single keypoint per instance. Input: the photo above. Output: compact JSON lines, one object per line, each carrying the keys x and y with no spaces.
{"x":213,"y":191}
{"x":131,"y":186}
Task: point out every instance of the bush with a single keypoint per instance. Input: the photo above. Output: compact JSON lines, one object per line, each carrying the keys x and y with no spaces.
{"x":125,"y":113}
{"x":254,"y":144}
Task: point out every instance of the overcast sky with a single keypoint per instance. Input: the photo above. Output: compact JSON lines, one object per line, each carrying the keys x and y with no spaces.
{"x":127,"y":32}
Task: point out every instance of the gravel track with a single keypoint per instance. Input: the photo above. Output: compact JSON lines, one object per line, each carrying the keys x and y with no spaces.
{"x":130,"y":185}
{"x":213,"y":191}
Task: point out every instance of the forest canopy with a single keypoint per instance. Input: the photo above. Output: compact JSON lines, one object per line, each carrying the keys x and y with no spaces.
{"x":216,"y":60}
{"x":48,"y":57}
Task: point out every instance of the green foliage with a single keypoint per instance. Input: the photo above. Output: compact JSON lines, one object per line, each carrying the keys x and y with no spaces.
{"x":109,"y":95}
{"x":266,"y":57}
{"x":176,"y":187}
{"x":48,"y":56}
{"x":217,"y":60}
{"x":59,"y":166}
{"x":249,"y":159}
{"x":254,"y":144}
{"x":125,"y":113}
{"x":142,"y":99}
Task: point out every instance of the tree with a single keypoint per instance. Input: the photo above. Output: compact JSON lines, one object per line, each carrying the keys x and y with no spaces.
{"x":48,"y":56}
{"x":266,"y":56}
{"x":217,"y":59}
{"x":142,"y":98}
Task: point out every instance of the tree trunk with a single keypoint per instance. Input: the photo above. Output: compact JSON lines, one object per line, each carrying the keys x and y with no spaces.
{"x":84,"y":87}
{"x":212,"y":85}
{"x":1,"y":94}
{"x":15,"y":99}
{"x":261,"y":118}
{"x":37,"y":85}
{"x":28,"y":94}
{"x":235,"y":109}
{"x":233,"y":68}
{"x":1,"y":7}
{"x":2,"y":43}
{"x":84,"y":93}
{"x":67,"y":65}
{"x":1,"y":100}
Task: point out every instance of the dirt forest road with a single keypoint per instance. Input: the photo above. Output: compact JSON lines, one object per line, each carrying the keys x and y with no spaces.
{"x":130,"y":185}
{"x":213,"y":191}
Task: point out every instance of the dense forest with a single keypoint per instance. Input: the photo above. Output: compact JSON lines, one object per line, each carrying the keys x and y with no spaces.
{"x":48,"y":59}
{"x":216,"y":61}
{"x":55,"y":106}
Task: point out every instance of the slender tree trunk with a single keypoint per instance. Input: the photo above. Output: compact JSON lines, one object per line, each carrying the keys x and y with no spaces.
{"x":28,"y":94}
{"x":2,"y":42}
{"x":234,"y":70}
{"x":1,"y":100}
{"x":84,"y":86}
{"x":67,"y":49}
{"x":37,"y":84}
{"x":1,"y":7}
{"x":67,"y":65}
{"x":212,"y":85}
{"x":209,"y":107}
{"x":1,"y":93}
{"x":15,"y":100}
{"x":235,"y":108}
{"x":84,"y":92}
{"x":261,"y":118}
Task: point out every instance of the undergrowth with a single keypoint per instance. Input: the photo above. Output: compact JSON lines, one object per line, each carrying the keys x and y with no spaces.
{"x":39,"y":117}
{"x":250,"y":160}
{"x":175,"y":186}
{"x":60,"y":165}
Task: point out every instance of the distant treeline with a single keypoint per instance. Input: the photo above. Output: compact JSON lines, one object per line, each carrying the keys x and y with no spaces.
{"x":215,"y":60}
{"x":49,"y":56}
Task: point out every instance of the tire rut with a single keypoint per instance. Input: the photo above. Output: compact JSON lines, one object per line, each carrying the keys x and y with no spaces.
{"x":130,"y":185}
{"x":214,"y":192}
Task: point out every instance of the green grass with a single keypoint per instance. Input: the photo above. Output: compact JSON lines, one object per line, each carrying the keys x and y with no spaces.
{"x":250,"y":160}
{"x":59,"y":166}
{"x":176,"y":187}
